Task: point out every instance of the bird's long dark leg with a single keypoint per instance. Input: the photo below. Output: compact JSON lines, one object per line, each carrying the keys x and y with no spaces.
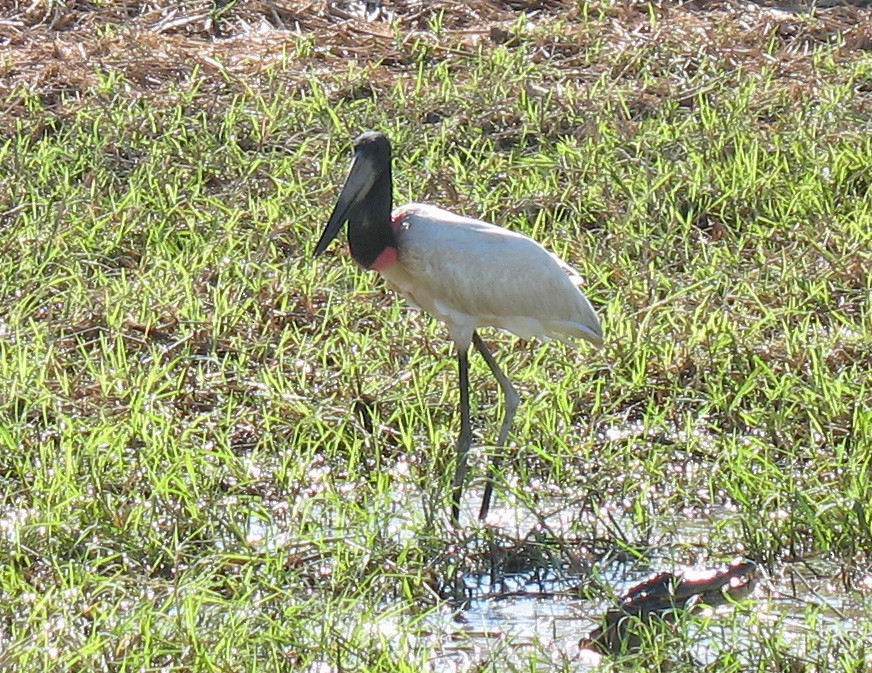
{"x":465,"y":438}
{"x":512,"y":401}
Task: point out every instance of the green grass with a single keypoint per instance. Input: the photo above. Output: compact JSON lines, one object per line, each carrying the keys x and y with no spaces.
{"x":218,"y":453}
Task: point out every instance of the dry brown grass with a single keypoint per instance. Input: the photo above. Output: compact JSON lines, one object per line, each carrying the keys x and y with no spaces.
{"x":60,"y":50}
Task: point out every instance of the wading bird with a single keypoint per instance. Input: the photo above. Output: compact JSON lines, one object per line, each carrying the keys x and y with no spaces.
{"x":465,"y":272}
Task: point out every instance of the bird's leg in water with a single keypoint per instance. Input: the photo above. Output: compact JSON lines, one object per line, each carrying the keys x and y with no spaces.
{"x":512,"y":401}
{"x":465,"y":438}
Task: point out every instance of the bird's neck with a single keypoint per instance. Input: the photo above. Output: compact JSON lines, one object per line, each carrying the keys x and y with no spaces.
{"x":371,"y":235}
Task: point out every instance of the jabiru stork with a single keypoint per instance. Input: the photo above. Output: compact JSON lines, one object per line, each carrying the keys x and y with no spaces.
{"x":463,"y":271}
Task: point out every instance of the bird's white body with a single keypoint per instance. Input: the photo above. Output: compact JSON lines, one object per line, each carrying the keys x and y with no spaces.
{"x":470,"y":274}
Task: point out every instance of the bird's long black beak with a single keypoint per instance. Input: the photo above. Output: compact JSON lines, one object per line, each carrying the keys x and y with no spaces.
{"x":361,"y":177}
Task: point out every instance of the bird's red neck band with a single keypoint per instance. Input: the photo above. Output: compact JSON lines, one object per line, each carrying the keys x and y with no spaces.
{"x":386,"y":258}
{"x":389,"y":255}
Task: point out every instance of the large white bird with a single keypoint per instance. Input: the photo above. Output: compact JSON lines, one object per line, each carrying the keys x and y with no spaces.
{"x":465,"y":272}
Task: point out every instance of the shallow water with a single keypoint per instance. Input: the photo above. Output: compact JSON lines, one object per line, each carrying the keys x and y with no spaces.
{"x":534,"y":619}
{"x":524,"y":621}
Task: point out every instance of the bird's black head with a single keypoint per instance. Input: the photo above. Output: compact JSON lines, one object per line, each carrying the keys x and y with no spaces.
{"x":375,"y":146}
{"x":365,"y":201}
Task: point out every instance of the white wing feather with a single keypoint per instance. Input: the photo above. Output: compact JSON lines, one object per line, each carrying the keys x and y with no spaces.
{"x":471,"y":274}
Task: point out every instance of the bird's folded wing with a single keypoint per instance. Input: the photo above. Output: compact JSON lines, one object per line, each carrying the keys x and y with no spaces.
{"x":469,"y":272}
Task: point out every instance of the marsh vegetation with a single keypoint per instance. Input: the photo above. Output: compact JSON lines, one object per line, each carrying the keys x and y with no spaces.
{"x":218,"y":454}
